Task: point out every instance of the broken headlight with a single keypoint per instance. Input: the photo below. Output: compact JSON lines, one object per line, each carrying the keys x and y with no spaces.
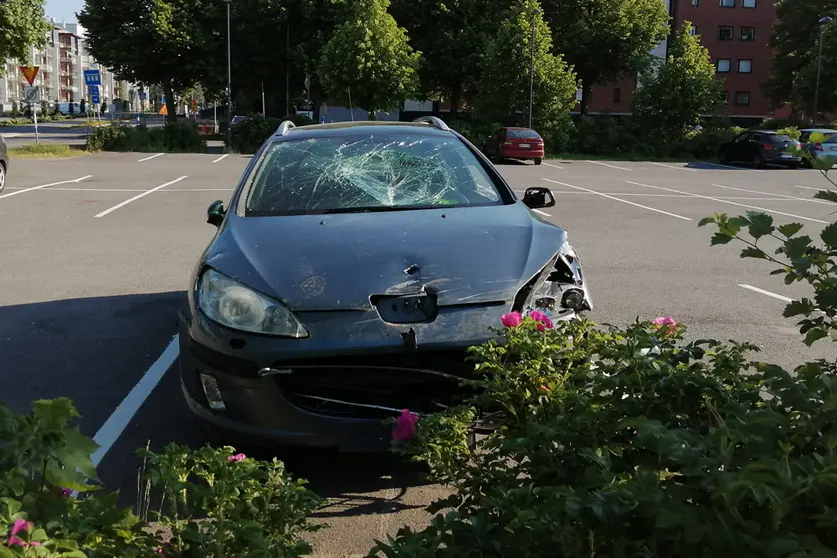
{"x":559,"y":291}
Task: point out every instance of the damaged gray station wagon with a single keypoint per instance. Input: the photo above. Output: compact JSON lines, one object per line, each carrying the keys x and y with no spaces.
{"x":354,"y":266}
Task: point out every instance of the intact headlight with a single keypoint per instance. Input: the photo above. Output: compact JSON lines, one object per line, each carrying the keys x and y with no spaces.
{"x":233,"y":305}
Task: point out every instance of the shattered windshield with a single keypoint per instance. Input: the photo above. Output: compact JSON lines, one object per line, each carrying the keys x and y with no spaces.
{"x":375,"y":172}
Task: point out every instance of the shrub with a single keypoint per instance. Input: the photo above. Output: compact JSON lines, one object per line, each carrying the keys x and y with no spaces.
{"x":215,"y":503}
{"x":179,"y":137}
{"x":791,"y":131}
{"x":250,"y":134}
{"x":629,"y":442}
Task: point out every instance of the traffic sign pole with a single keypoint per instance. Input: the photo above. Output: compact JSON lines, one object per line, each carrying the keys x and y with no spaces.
{"x":35,"y":118}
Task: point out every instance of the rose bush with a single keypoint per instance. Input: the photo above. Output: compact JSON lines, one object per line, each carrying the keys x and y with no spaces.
{"x":629,"y":442}
{"x":209,"y":502}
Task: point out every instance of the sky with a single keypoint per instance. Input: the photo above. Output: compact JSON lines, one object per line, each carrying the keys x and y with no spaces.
{"x":63,"y":10}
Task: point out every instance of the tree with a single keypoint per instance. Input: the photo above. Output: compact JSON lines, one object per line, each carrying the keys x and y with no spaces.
{"x":171,"y":43}
{"x":680,"y":91}
{"x":804,"y":81}
{"x":450,"y":35}
{"x":795,"y":42}
{"x":369,"y":54}
{"x":605,"y":39}
{"x":23,"y":24}
{"x":82,"y":106}
{"x":504,"y":83}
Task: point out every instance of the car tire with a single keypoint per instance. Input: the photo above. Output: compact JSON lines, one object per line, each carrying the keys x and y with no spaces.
{"x":722,"y":158}
{"x":2,"y":177}
{"x":538,"y":161}
{"x":758,"y":161}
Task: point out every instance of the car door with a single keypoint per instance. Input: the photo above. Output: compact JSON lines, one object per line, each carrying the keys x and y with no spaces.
{"x":736,"y":147}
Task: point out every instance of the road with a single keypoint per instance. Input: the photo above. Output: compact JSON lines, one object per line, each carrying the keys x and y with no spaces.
{"x":94,"y":267}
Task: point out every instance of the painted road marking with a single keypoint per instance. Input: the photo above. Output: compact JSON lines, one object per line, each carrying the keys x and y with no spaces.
{"x":730,"y":202}
{"x":619,"y":200}
{"x":673,"y":167}
{"x":607,"y":165}
{"x":135,"y":198}
{"x":772,"y":194}
{"x":221,"y":158}
{"x":149,"y":158}
{"x":75,"y":181}
{"x":553,"y":166}
{"x":766,"y":293}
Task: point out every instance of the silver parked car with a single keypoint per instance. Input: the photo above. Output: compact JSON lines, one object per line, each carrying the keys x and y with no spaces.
{"x":4,"y":163}
{"x":821,"y":148}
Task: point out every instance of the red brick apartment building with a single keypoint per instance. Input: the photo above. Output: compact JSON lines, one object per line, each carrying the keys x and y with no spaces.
{"x":737,"y":33}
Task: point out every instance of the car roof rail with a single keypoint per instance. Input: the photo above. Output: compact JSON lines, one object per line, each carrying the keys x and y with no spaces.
{"x":434,"y":121}
{"x":284,"y":128}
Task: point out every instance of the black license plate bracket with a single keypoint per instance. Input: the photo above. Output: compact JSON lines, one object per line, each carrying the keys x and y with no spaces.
{"x":406,"y":309}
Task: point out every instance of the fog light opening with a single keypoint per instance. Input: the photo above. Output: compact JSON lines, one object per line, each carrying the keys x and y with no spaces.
{"x":573,"y":299}
{"x":545,"y":303}
{"x":212,"y":393}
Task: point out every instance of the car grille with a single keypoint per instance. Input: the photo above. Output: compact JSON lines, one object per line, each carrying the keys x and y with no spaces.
{"x":377,"y":386}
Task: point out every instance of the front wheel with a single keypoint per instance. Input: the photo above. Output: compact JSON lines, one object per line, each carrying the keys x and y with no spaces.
{"x":723,"y":158}
{"x":2,"y":177}
{"x":538,"y":161}
{"x":758,"y":161}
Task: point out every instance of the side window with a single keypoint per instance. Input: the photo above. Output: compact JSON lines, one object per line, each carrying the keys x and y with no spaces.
{"x":803,"y":137}
{"x":742,"y":138}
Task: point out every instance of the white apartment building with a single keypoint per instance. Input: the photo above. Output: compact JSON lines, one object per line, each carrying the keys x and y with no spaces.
{"x":62,"y":62}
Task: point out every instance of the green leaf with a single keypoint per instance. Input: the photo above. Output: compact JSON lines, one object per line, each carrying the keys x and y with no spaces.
{"x":751,"y":252}
{"x":761,"y":224}
{"x":828,"y":195}
{"x":815,"y":334}
{"x":789,"y":229}
{"x":720,"y":238}
{"x":706,"y":220}
{"x":799,"y":307}
{"x":829,"y":235}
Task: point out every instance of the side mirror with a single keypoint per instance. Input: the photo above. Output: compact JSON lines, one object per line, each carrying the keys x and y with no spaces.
{"x":215,"y":213}
{"x":538,"y":197}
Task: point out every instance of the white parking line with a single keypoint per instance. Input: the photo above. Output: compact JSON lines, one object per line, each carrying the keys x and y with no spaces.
{"x":135,"y":198}
{"x":23,"y":191}
{"x":221,"y":158}
{"x":766,"y":293}
{"x":544,"y":213}
{"x":730,"y":167}
{"x":553,"y":166}
{"x":619,"y":200}
{"x":673,"y":167}
{"x":607,"y":165}
{"x":149,"y":158}
{"x":772,"y":194}
{"x":809,"y":188}
{"x":730,"y":202}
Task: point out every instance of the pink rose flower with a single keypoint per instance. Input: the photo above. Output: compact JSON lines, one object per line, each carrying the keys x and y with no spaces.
{"x":237,"y":457}
{"x":405,"y":426}
{"x":665,"y":323}
{"x":512,"y":319}
{"x":66,"y":492}
{"x":543,"y":320}
{"x":18,"y":526}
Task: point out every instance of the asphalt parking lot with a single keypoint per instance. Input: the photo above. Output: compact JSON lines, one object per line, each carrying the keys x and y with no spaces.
{"x":97,"y":251}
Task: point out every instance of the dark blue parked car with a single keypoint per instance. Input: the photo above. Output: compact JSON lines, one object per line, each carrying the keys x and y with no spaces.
{"x":354,"y":266}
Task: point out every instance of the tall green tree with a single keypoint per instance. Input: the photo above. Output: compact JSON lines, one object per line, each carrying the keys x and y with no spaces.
{"x":369,"y":56}
{"x":804,"y":83}
{"x":171,"y":43}
{"x":23,"y":24}
{"x":795,"y":41}
{"x":606,"y":39}
{"x":505,"y":82}
{"x":677,"y":93}
{"x":450,"y":35}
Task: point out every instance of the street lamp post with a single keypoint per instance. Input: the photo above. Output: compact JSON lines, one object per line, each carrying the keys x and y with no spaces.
{"x":823,"y":22}
{"x":229,"y":80}
{"x":535,"y":12}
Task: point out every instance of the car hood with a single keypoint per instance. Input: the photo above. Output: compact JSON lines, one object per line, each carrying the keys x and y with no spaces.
{"x":473,"y":255}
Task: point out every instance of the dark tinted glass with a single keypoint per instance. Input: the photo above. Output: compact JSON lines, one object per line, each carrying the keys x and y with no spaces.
{"x":524,"y":134}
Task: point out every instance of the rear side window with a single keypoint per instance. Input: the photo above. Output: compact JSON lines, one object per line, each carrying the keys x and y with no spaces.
{"x":524,"y":134}
{"x":777,"y":138}
{"x":831,"y":138}
{"x":372,"y":172}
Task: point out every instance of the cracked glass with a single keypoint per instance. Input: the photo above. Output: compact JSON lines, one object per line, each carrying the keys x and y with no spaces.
{"x":371,"y":172}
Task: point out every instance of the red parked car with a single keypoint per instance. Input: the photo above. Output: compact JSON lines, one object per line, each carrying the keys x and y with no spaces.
{"x":515,"y":143}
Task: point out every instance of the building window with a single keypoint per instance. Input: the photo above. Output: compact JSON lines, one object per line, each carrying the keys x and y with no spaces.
{"x":722,"y":65}
{"x":724,"y":96}
{"x":748,"y":3}
{"x":695,"y":2}
{"x":742,"y":98}
{"x":617,"y":95}
{"x":693,"y":31}
{"x":725,"y":32}
{"x":745,"y":66}
{"x":746,"y":33}
{"x":727,"y":3}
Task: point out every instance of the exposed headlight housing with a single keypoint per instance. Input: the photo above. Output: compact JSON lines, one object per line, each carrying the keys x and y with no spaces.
{"x":235,"y":306}
{"x":559,"y":291}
